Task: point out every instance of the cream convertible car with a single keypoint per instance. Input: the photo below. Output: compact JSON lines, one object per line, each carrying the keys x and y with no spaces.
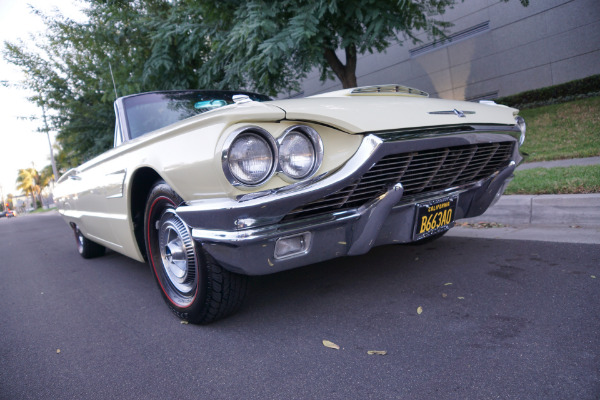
{"x":210,"y":186}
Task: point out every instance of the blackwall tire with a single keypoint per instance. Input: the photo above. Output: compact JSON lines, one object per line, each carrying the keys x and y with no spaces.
{"x":193,"y":285}
{"x":86,"y":248}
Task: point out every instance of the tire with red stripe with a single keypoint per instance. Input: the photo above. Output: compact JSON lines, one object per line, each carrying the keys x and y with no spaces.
{"x":193,"y":285}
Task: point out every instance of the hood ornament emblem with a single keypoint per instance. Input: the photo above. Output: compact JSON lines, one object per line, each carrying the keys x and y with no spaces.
{"x":458,"y":113}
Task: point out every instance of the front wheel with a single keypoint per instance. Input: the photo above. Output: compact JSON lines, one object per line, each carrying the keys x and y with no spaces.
{"x":193,"y":285}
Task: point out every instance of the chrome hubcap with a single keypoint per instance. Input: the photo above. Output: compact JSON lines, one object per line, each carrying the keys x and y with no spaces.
{"x":79,"y":241}
{"x":177,"y":253}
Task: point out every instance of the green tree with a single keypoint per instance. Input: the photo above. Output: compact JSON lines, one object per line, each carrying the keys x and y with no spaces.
{"x":46,"y":177}
{"x":270,"y":46}
{"x":132,"y":46}
{"x":71,"y":68}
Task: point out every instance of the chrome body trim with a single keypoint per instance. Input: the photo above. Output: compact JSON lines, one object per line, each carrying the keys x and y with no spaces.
{"x":241,"y":233}
{"x":230,"y":214}
{"x":459,"y":113}
{"x":522,"y":127}
{"x":241,"y":98}
{"x":122,"y":172}
{"x":439,"y":131}
{"x":366,"y":229}
{"x":389,"y":89}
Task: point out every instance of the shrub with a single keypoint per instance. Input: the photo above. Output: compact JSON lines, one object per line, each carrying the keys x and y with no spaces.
{"x":573,"y":90}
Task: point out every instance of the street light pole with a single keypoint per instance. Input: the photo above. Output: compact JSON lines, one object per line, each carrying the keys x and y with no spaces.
{"x":47,"y":130}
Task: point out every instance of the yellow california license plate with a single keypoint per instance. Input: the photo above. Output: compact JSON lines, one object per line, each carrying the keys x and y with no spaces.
{"x":434,"y":217}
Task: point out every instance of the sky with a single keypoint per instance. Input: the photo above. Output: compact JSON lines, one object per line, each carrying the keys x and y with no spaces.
{"x":21,"y":146}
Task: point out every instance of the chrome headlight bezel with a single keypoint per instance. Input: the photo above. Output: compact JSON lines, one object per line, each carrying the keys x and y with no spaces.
{"x":317,"y":146}
{"x":238,"y":134}
{"x":276,"y":163}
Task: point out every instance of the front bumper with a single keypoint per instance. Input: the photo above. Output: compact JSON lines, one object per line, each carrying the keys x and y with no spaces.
{"x":242,"y":234}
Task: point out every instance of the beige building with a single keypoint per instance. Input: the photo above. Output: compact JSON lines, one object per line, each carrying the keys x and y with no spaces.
{"x":494,"y":49}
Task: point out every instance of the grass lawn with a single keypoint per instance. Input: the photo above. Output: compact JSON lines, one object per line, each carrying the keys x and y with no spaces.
{"x":559,"y":180}
{"x":42,"y":210}
{"x":559,"y":131}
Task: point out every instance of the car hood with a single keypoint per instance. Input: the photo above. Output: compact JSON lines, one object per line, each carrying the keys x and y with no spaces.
{"x":380,"y":112}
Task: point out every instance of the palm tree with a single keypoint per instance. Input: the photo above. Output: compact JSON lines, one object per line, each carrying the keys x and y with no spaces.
{"x":28,"y":181}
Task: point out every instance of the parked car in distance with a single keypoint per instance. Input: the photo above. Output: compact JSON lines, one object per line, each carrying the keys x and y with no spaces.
{"x":8,"y":213}
{"x":211,"y":186}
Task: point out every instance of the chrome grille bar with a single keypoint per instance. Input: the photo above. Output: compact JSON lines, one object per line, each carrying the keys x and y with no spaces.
{"x":419,"y":173}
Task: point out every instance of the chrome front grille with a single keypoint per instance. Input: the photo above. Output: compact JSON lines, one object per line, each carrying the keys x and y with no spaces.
{"x":420,"y":173}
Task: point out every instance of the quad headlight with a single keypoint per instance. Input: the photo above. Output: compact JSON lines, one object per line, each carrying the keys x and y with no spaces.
{"x":300,"y":152}
{"x":251,"y":155}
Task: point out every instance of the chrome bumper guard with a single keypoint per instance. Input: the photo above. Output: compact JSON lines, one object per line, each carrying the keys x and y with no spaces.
{"x":245,"y":235}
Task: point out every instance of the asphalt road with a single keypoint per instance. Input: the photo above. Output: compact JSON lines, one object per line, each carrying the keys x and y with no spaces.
{"x":500,"y":319}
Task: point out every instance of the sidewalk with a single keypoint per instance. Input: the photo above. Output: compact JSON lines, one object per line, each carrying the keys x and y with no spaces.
{"x":544,"y":209}
{"x":571,"y":218}
{"x":560,"y":163}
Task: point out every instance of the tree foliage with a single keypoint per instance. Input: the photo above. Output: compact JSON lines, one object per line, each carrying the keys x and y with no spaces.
{"x":70,"y":71}
{"x":264,"y":45}
{"x":269,"y":46}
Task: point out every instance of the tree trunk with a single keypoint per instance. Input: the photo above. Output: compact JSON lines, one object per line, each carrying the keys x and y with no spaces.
{"x":345,"y":73}
{"x":39,"y":202}
{"x":32,"y":199}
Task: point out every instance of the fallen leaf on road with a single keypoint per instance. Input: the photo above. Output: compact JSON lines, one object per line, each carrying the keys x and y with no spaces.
{"x":331,"y":345}
{"x":377,"y":352}
{"x":444,"y":295}
{"x":461,"y":298}
{"x":593,"y":276}
{"x":419,"y":310}
{"x":57,"y":351}
{"x":183,"y":322}
{"x":448,"y":284}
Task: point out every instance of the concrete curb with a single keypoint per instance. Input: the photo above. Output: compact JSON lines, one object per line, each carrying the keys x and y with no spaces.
{"x":571,"y":218}
{"x":569,"y":210}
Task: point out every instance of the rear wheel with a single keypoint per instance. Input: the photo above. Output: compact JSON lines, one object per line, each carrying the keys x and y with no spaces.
{"x":87,"y":248}
{"x":193,"y":285}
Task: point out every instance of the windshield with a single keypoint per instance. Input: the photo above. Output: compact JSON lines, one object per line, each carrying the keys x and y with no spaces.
{"x":148,"y":112}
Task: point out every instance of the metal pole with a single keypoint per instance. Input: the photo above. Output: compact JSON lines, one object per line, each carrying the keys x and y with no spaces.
{"x":54,"y":170}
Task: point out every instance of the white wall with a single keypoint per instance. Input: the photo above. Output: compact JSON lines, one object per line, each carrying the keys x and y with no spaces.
{"x":547,"y":43}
